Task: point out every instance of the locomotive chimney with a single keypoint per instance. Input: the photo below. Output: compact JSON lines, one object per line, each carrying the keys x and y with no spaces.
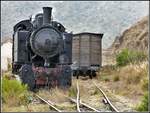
{"x":47,"y":15}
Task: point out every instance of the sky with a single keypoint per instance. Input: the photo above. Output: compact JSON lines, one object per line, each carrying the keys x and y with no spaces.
{"x":108,"y":17}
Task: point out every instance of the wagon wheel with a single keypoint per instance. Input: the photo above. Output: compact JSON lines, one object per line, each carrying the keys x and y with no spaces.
{"x":90,"y":75}
{"x":77,"y":76}
{"x":94,"y":74}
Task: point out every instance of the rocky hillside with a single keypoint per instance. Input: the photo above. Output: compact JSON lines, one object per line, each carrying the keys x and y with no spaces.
{"x":134,"y":38}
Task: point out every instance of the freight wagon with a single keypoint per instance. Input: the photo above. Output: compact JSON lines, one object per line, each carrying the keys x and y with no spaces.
{"x":86,"y":54}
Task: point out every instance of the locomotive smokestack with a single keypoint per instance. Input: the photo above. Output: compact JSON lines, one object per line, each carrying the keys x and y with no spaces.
{"x":47,"y":11}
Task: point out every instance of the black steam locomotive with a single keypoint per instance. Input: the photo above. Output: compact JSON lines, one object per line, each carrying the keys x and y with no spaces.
{"x":42,"y":52}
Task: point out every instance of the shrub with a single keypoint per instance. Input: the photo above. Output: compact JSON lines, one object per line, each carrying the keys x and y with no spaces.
{"x":144,"y":104}
{"x":127,"y":56}
{"x":145,"y":84}
{"x":72,"y":92}
{"x":116,"y":78}
{"x":13,"y":92}
{"x":122,"y":57}
{"x":106,"y":79}
{"x":95,"y":91}
{"x":133,"y":78}
{"x":9,"y":66}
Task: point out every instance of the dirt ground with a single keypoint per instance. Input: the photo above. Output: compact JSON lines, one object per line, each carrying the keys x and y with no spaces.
{"x":90,"y":95}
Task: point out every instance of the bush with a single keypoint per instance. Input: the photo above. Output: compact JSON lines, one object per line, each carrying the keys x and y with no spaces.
{"x":133,"y":78}
{"x":9,"y":66}
{"x":116,"y":78}
{"x":127,"y":56}
{"x":72,"y":92}
{"x":13,"y":92}
{"x":106,"y":79}
{"x":144,"y":104}
{"x":95,"y":91}
{"x":145,"y":84}
{"x":122,"y":57}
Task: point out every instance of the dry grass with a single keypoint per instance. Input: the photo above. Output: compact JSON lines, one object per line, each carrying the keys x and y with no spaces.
{"x":130,"y":80}
{"x":55,"y":95}
{"x":88,"y":94}
{"x":116,"y":78}
{"x":6,"y":108}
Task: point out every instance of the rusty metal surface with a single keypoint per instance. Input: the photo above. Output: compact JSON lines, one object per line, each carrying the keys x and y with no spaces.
{"x":59,"y":76}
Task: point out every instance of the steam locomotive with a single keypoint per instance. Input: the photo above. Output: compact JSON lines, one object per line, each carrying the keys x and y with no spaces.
{"x":42,"y":52}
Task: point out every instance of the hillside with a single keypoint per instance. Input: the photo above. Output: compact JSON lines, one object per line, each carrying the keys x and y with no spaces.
{"x":133,"y":38}
{"x":130,"y":80}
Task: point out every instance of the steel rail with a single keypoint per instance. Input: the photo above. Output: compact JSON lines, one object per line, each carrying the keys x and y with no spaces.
{"x":78,"y":98}
{"x":84,"y":104}
{"x":49,"y":103}
{"x":108,"y":101}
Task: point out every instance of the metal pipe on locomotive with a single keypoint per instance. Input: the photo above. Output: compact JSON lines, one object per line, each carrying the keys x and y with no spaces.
{"x":42,"y":52}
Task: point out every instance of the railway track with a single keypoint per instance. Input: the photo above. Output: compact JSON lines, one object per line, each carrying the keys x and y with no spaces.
{"x":48,"y":102}
{"x":79,"y":102}
{"x":106,"y":100}
{"x":81,"y":106}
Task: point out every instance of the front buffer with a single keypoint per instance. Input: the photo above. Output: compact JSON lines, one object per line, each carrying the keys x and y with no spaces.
{"x":36,"y":77}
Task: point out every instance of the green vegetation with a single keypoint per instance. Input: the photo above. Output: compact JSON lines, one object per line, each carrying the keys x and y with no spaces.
{"x":144,"y":104}
{"x":145,"y":85}
{"x":9,"y":66}
{"x":96,"y":91}
{"x":134,"y":78}
{"x":104,"y":77}
{"x":116,"y":78}
{"x":14,"y":93}
{"x":72,"y":92}
{"x":127,"y":56}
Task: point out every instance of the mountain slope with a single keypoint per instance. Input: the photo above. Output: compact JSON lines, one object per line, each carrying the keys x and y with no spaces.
{"x":133,"y":38}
